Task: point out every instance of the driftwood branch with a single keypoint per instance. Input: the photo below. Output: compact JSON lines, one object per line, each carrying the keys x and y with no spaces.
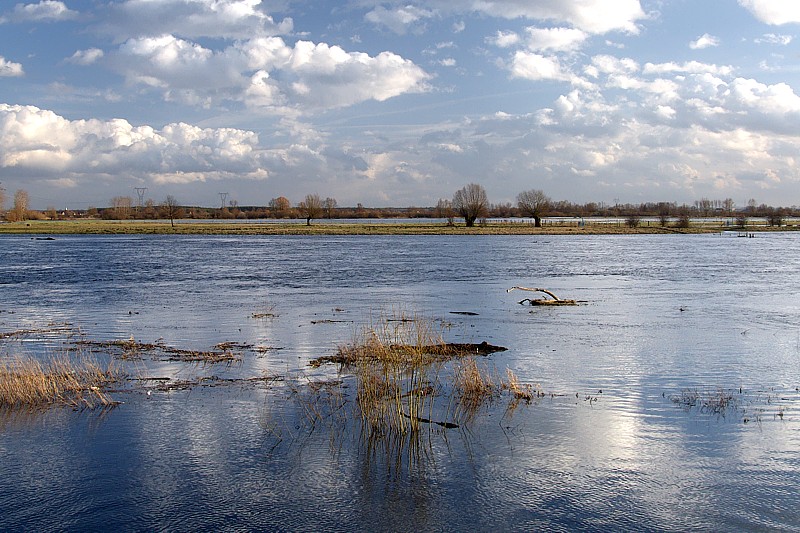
{"x":553,"y":296}
{"x":555,"y":299}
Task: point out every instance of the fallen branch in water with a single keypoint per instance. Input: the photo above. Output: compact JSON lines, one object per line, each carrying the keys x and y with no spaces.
{"x":554,"y":301}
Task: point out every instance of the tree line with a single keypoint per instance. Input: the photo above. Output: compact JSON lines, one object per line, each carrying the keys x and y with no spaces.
{"x":470,"y":203}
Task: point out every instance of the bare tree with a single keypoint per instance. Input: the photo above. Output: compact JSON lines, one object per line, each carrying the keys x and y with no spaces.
{"x":280,"y":206}
{"x":171,"y":209}
{"x":121,"y":207}
{"x":728,"y":204}
{"x":311,"y":207}
{"x":2,"y":200}
{"x":534,"y":203}
{"x":444,"y":209}
{"x":19,"y":211}
{"x":330,"y":204}
{"x":471,"y":203}
{"x":775,"y":216}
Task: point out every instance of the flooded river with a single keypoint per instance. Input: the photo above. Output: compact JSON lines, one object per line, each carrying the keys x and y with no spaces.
{"x":628,"y":432}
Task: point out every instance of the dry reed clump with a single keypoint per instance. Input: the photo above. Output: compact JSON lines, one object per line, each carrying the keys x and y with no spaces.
{"x":395,"y":372}
{"x":518,"y":391}
{"x":473,"y":385}
{"x":27,"y":382}
{"x":400,"y":339}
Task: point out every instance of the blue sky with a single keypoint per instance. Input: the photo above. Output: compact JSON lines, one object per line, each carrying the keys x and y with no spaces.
{"x":400,"y":103}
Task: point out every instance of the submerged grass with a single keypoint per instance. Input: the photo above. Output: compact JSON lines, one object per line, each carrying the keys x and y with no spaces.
{"x":29,"y":383}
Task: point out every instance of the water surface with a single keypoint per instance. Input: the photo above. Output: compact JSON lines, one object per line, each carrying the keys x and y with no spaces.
{"x":605,"y":449}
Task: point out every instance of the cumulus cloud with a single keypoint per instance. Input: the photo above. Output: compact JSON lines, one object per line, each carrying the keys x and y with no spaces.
{"x":267,"y":72}
{"x":592,"y":16}
{"x":690,"y":67}
{"x":612,"y":65}
{"x":86,"y":57}
{"x":536,"y":67}
{"x":9,"y":69}
{"x":775,"y":12}
{"x":40,"y":142}
{"x":44,"y":11}
{"x":504,"y":39}
{"x":558,"y":39}
{"x":704,"y":41}
{"x":399,"y":19}
{"x":227,"y":19}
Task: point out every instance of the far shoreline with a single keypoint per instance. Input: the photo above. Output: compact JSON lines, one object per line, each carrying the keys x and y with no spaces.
{"x":324,"y":227}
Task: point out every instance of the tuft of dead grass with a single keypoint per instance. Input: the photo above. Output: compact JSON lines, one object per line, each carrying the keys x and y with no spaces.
{"x":27,"y":382}
{"x":473,"y":385}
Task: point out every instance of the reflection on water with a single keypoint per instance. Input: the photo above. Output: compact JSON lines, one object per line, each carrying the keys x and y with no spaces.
{"x":607,"y":447}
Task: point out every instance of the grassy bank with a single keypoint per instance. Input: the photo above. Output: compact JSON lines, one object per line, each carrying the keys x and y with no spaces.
{"x":100,"y":227}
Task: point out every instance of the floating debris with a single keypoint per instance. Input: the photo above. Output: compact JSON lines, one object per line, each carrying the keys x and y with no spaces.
{"x":555,"y":300}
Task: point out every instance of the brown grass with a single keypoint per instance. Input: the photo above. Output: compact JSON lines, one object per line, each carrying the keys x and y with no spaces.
{"x":27,"y":382}
{"x":473,"y":385}
{"x":403,"y":228}
{"x":518,"y":391}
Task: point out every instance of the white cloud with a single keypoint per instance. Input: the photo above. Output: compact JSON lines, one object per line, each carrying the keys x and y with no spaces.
{"x":592,"y":16}
{"x":558,"y":39}
{"x":536,"y":67}
{"x":612,"y":65}
{"x":44,"y":11}
{"x":690,"y":67}
{"x":266,"y":72}
{"x":777,"y":100}
{"x":400,"y":19}
{"x":9,"y":69}
{"x":42,"y":142}
{"x":771,"y":38}
{"x":230,"y":19}
{"x":704,"y":41}
{"x":86,"y":57}
{"x":504,"y":39}
{"x":775,"y":12}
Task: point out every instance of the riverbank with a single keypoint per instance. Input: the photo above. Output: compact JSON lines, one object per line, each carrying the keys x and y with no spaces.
{"x":199,"y":227}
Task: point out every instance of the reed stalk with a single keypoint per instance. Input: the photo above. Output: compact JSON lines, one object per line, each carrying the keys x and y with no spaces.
{"x":28,"y":382}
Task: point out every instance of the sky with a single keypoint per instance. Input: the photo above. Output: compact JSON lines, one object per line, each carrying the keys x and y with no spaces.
{"x":399,"y":103}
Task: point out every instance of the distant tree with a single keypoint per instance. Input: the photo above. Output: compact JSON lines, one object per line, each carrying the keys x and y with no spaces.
{"x":751,"y":206}
{"x":741,"y":219}
{"x":632,"y":220}
{"x":2,"y":200}
{"x":280,"y":206}
{"x":171,"y":209}
{"x":534,"y":203}
{"x":444,"y":209}
{"x":19,"y":211}
{"x":683,"y":221}
{"x":150,"y":209}
{"x":329,"y":204}
{"x":52,"y":214}
{"x":471,"y":203}
{"x":310,"y":208}
{"x":775,"y":217}
{"x":728,"y":204}
{"x":121,"y":207}
{"x":664,"y":211}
